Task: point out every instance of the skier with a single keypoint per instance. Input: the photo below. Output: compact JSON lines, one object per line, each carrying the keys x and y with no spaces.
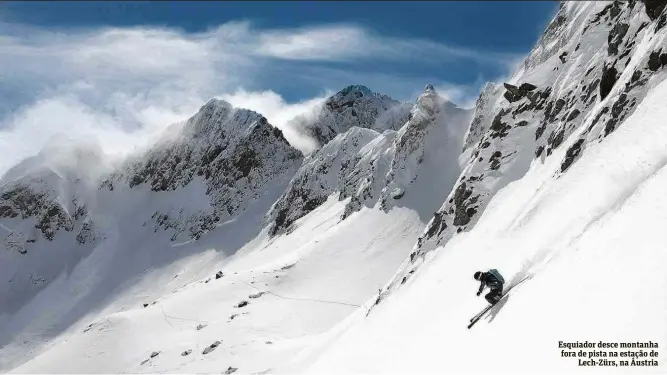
{"x":494,"y":281}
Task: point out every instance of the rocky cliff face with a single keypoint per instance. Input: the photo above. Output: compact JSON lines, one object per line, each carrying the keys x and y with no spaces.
{"x":49,"y":193}
{"x":411,"y":166}
{"x":47,"y":220}
{"x":593,"y":65}
{"x":235,"y":155}
{"x":353,"y":106}
{"x":483,"y":106}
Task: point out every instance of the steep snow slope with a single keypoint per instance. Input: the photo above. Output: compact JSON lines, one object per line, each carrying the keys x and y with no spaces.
{"x":589,"y":71}
{"x":353,"y":106}
{"x":296,"y":287}
{"x":592,"y":239}
{"x":414,"y":167}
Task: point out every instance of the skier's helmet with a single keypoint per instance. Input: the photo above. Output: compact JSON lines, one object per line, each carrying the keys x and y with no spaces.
{"x":478,"y":275}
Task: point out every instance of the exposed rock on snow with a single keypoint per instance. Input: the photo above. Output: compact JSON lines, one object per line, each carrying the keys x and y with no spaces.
{"x":211,"y":347}
{"x":369,"y":167}
{"x":485,"y":103}
{"x":353,"y":106}
{"x":654,"y":8}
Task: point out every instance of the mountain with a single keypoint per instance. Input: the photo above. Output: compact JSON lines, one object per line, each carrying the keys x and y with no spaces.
{"x":566,"y":188}
{"x":224,"y":249}
{"x":591,"y":68}
{"x":75,"y":233}
{"x":45,"y":203}
{"x":224,"y":159}
{"x":353,"y":106}
{"x":410,"y":167}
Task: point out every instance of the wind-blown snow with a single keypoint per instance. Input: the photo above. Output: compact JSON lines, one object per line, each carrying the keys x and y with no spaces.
{"x":353,"y":106}
{"x":414,"y":167}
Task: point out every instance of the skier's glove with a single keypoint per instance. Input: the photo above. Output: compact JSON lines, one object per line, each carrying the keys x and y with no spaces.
{"x":478,"y":293}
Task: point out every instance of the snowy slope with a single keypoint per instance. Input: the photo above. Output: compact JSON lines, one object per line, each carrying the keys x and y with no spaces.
{"x":592,"y":241}
{"x":296,"y":287}
{"x":588,"y":72}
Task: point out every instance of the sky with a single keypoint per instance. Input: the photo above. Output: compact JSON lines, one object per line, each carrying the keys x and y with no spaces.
{"x":120,"y":72}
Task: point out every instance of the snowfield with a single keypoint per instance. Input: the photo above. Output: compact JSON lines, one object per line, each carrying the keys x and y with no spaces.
{"x":223,"y":249}
{"x":296,"y":287}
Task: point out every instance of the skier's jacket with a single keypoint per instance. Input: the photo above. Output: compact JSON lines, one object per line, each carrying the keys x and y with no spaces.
{"x":493,"y":279}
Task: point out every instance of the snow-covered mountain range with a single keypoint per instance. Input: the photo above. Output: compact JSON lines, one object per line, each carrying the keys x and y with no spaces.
{"x":225,"y":249}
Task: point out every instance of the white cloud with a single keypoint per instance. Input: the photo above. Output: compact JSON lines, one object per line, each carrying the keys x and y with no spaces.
{"x":122,"y":86}
{"x":278,"y":112}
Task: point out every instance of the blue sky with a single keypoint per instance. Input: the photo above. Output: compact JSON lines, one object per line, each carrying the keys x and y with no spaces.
{"x":80,"y":67}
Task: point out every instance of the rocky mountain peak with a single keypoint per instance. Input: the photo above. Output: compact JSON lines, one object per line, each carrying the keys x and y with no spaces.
{"x":353,"y":106}
{"x":235,"y":153}
{"x":395,"y":167}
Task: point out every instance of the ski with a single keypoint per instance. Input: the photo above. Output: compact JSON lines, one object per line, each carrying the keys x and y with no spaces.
{"x":477,"y":317}
{"x":482,"y":312}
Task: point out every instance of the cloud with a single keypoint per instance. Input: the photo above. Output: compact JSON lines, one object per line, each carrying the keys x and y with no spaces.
{"x":278,"y":112}
{"x":123,"y":86}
